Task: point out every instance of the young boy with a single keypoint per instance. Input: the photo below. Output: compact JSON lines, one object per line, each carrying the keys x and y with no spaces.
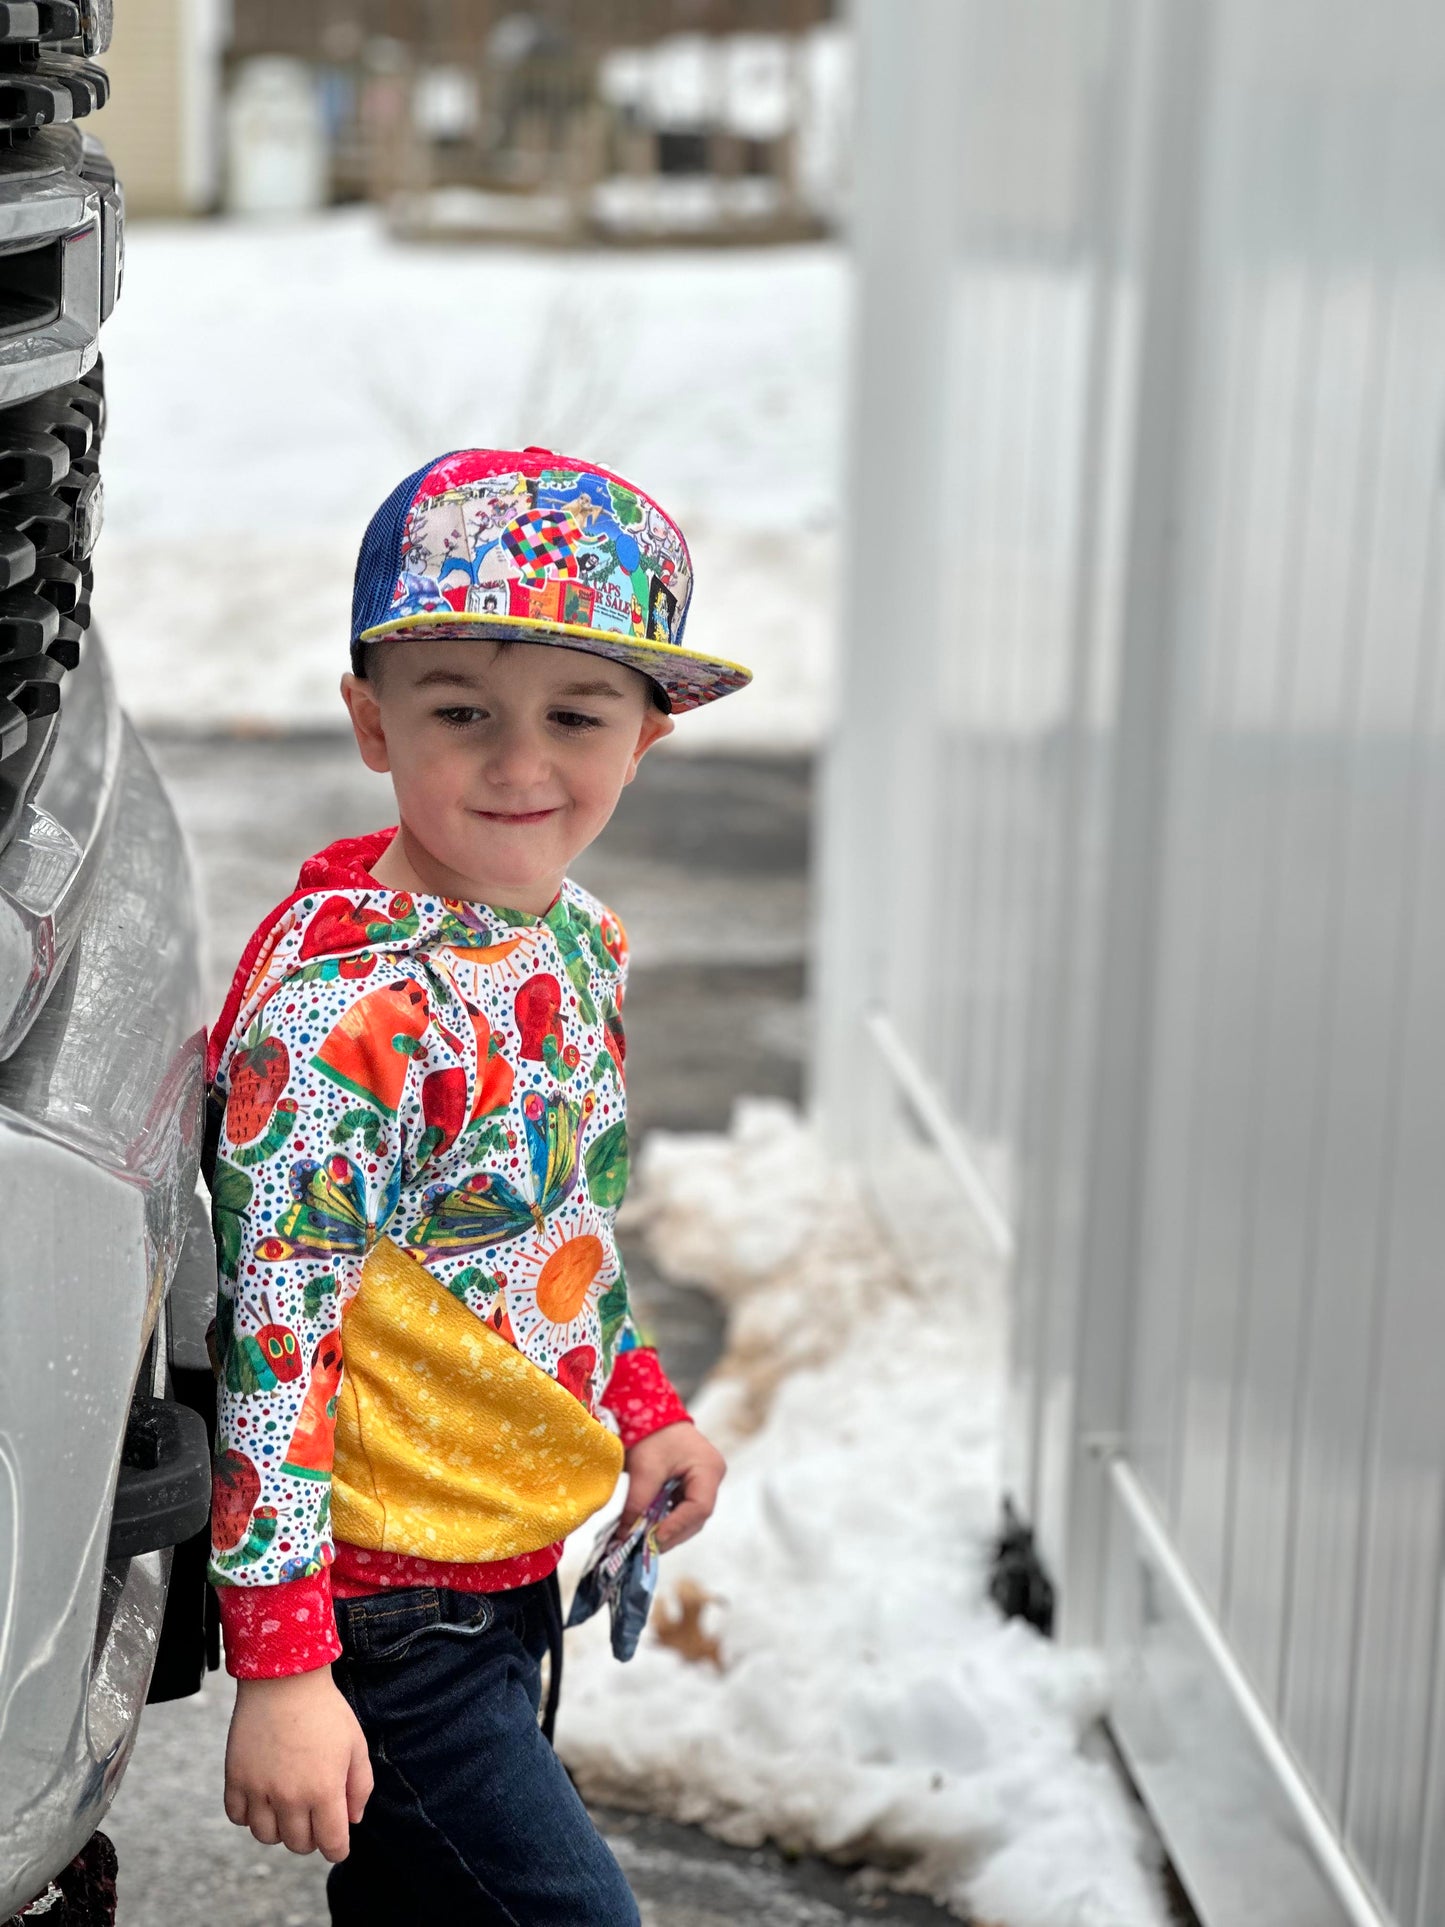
{"x":428,"y":1372}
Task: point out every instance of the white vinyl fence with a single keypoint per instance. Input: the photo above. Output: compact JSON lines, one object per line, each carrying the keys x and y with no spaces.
{"x":1134,"y":858}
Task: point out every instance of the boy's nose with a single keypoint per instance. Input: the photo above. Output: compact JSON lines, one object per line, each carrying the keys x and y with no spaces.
{"x":517,"y":760}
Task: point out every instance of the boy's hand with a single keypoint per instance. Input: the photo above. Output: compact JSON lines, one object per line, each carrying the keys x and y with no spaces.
{"x":297,"y":1769}
{"x":677,"y":1451}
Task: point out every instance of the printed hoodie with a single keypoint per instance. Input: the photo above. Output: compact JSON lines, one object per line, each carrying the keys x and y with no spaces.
{"x":427,"y":1369}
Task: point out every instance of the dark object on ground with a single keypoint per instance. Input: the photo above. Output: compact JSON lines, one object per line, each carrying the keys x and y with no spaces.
{"x":86,"y":1887}
{"x":1019,"y":1585}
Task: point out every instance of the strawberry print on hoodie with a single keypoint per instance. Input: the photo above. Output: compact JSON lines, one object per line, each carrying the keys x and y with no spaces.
{"x":427,"y":1366}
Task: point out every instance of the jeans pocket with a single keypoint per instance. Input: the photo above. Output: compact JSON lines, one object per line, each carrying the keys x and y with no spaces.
{"x":386,"y":1625}
{"x":381,"y":1625}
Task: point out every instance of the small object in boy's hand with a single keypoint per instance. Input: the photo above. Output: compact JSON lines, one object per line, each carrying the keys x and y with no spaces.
{"x":621,"y":1571}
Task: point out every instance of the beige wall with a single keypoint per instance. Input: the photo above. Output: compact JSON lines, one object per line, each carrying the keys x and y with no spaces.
{"x":161,"y":125}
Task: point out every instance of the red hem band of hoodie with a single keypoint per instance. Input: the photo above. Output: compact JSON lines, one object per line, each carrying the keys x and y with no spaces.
{"x":358,"y":1573}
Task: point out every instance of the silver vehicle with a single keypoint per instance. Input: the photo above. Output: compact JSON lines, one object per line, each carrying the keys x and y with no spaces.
{"x":106,"y":1270}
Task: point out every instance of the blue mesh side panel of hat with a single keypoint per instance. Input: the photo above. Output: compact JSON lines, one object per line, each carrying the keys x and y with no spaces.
{"x":379,"y":557}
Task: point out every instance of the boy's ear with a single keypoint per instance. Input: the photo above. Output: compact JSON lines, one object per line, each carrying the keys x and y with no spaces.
{"x":656,"y":724}
{"x":365,"y":713}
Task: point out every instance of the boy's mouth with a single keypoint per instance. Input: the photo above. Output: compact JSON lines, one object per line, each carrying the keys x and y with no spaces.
{"x":513,"y":816}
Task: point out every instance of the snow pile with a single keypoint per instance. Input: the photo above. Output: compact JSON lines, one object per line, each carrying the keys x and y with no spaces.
{"x":834,"y":1677}
{"x":269,"y":382}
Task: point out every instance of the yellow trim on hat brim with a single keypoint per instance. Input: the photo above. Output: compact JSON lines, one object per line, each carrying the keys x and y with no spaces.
{"x":649,"y":657}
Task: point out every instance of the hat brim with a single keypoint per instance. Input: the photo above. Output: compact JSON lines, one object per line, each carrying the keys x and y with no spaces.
{"x":688,"y":677}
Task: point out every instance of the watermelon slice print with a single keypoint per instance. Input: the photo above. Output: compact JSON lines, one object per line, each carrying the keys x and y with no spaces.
{"x":368,"y":1051}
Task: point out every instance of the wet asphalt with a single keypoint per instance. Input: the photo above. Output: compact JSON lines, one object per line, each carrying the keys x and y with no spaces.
{"x":706,"y":862}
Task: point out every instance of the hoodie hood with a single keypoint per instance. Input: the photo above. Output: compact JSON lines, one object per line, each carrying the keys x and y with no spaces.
{"x":343,"y":865}
{"x":338,"y":910}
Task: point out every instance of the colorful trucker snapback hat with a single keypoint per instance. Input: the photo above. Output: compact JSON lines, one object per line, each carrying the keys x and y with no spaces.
{"x":538,"y":547}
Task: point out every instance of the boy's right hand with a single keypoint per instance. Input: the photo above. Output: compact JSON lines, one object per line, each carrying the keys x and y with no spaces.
{"x":297,"y":1769}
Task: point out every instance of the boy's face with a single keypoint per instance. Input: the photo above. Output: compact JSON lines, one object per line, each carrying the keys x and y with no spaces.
{"x":506,"y":762}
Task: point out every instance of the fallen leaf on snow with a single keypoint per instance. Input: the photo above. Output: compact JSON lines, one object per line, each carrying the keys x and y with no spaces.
{"x":683,"y":1629}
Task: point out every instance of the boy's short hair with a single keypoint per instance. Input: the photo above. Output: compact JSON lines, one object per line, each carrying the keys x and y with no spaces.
{"x":373,"y":653}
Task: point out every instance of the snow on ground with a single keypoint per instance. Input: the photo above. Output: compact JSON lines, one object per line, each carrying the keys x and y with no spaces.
{"x":869,"y":1703}
{"x":270,"y":382}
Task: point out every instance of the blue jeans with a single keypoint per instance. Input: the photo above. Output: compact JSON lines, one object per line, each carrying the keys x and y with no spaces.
{"x":473,"y":1818}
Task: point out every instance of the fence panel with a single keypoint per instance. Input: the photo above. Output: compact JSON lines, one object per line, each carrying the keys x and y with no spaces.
{"x":1145,"y":833}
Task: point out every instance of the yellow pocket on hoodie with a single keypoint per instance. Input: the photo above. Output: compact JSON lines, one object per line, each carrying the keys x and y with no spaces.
{"x":449,"y":1443}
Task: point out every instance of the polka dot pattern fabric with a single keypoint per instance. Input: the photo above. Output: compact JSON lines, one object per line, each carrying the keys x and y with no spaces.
{"x":449,"y":1077}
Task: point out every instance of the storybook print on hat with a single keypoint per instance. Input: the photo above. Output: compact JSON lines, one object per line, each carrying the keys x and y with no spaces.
{"x":529,"y":545}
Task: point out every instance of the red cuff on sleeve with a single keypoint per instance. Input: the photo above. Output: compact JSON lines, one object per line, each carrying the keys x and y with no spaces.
{"x":274,"y":1631}
{"x":641,"y":1396}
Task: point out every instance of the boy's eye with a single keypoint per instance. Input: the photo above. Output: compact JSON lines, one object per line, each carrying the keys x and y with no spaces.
{"x":462,"y":716}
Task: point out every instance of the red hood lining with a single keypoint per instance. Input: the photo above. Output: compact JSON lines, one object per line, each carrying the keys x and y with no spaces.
{"x":342,"y":865}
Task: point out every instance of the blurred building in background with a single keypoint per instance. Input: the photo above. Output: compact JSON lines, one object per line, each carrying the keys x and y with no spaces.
{"x":715,"y":119}
{"x":162,"y":122}
{"x":648,"y":120}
